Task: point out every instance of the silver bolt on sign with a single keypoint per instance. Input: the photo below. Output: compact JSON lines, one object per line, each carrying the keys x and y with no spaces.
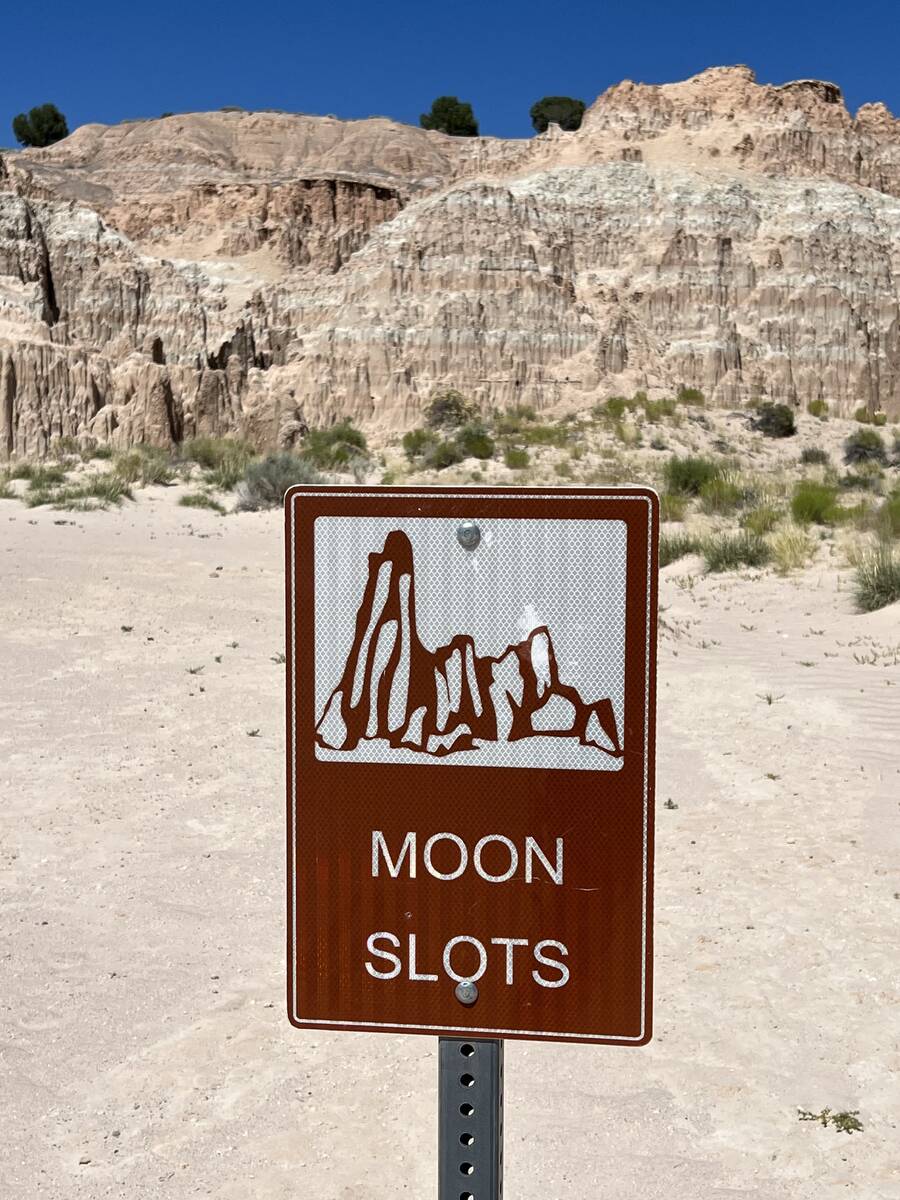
{"x":468,"y":535}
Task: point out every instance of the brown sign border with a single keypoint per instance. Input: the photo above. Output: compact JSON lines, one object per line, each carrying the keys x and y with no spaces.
{"x":466,"y":503}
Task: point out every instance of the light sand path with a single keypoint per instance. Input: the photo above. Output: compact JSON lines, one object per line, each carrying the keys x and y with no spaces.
{"x":142,"y":860}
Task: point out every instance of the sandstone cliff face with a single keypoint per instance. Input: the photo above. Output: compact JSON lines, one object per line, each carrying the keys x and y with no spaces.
{"x":252,"y":272}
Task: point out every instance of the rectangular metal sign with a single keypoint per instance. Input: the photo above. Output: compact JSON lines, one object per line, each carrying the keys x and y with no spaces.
{"x":470,"y":712}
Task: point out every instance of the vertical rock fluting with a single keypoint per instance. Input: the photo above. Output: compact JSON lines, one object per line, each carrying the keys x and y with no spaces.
{"x":257,"y":273}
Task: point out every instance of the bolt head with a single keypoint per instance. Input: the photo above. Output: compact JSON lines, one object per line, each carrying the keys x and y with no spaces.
{"x":468,"y":535}
{"x":466,"y":992}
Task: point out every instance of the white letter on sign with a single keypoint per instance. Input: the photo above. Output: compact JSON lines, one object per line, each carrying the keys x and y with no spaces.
{"x":513,"y":858}
{"x":509,"y":943}
{"x":386,"y":954}
{"x":549,"y":962}
{"x":413,"y":973}
{"x":408,"y":847}
{"x":463,"y":855}
{"x":533,"y":850}
{"x":482,"y":959}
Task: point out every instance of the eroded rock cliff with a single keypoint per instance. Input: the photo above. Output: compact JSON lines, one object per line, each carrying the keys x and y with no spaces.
{"x":255,"y":272}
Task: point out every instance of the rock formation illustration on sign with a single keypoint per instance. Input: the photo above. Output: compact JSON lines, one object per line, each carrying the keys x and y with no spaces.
{"x":450,"y":699}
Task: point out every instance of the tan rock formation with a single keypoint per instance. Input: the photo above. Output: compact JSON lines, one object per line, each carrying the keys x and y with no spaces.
{"x":253,"y":272}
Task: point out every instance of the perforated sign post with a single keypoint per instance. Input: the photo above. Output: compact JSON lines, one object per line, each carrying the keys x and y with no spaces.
{"x":471,"y":705}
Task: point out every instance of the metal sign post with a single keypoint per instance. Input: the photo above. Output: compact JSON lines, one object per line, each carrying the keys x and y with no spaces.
{"x":470,"y":1119}
{"x":470,"y":718}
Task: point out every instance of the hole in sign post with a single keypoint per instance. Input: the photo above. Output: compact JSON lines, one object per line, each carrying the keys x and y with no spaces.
{"x":467,"y":1080}
{"x":467,"y":1110}
{"x":467,"y":1050}
{"x":467,"y":1169}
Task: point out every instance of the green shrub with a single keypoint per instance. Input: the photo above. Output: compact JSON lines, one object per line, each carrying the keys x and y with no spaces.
{"x":687,"y":476}
{"x":474,"y":441}
{"x":673,"y":546}
{"x":615,"y":407}
{"x":336,"y":447}
{"x":21,"y":470}
{"x":671,"y":507}
{"x":690,"y":395}
{"x":201,"y":500}
{"x":516,"y":458}
{"x":144,"y":465}
{"x":867,"y":479}
{"x":266,"y":480}
{"x":40,"y":126}
{"x":879,"y":418}
{"x":450,"y":115}
{"x":416,"y":442}
{"x":94,"y":491}
{"x":513,"y":421}
{"x":863,"y":415}
{"x":224,"y":459}
{"x":6,"y":491}
{"x":656,"y":410}
{"x":878,"y":578}
{"x":813,"y":456}
{"x":865,"y":445}
{"x":565,"y":111}
{"x":443,"y":454}
{"x":720,"y":496}
{"x":761,"y":520}
{"x":449,"y":410}
{"x":42,"y":477}
{"x":815,"y":503}
{"x":775,"y":421}
{"x":727,"y":551}
{"x":889,"y":514}
{"x":817,"y":408}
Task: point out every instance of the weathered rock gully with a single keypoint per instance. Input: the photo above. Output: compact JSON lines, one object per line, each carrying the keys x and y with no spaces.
{"x":258,"y":273}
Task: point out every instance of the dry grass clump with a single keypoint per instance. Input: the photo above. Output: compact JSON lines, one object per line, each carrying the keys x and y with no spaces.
{"x":878,"y":578}
{"x":672,"y":507}
{"x":689,"y":475}
{"x":673,"y":546}
{"x":144,"y":465}
{"x":201,"y":500}
{"x":727,"y":551}
{"x":88,"y":494}
{"x":762,"y":519}
{"x":792,"y":548}
{"x":266,"y":481}
{"x":223,"y":460}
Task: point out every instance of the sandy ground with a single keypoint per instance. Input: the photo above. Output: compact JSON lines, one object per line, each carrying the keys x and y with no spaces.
{"x":145,"y":1050}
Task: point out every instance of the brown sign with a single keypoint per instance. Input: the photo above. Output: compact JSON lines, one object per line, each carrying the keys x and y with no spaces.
{"x":470,"y":709}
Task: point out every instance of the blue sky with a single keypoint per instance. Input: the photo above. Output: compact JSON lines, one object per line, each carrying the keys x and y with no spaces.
{"x":106,"y":61}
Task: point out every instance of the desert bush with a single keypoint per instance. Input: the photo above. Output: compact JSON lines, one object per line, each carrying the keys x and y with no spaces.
{"x":656,"y":410}
{"x":690,"y":395}
{"x":720,"y":496}
{"x":687,"y":476}
{"x":512,"y":421}
{"x":40,"y":126}
{"x":266,"y":480}
{"x":546,"y":435}
{"x":7,"y":492}
{"x":564,"y":111}
{"x":878,"y":578}
{"x":144,"y":465}
{"x":94,"y":491}
{"x":442,"y":454}
{"x":42,"y":477}
{"x":449,"y":410}
{"x":201,"y":500}
{"x":21,"y":470}
{"x":817,"y":408}
{"x":865,"y":445}
{"x":727,"y":551}
{"x":866,"y":479}
{"x":815,"y":503}
{"x":761,"y":520}
{"x":889,"y":514}
{"x":775,"y":421}
{"x":671,"y":507}
{"x":516,"y":458}
{"x":614,"y":408}
{"x":224,"y":459}
{"x":474,"y":441}
{"x":450,"y":115}
{"x":879,"y":418}
{"x":792,"y":548}
{"x":627,"y":434}
{"x":813,"y":456}
{"x":863,"y":415}
{"x":673,"y":546}
{"x":416,"y":442}
{"x":334,"y":448}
